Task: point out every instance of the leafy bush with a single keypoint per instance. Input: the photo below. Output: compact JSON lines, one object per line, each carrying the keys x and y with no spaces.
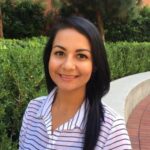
{"x":22,"y":78}
{"x":130,"y":30}
{"x":26,"y":18}
{"x":22,"y":18}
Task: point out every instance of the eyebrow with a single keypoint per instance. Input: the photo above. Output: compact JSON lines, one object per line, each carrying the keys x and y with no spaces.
{"x":61,"y":47}
{"x":78,"y":50}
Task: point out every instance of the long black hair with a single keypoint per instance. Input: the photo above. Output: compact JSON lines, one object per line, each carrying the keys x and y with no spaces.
{"x":99,"y":83}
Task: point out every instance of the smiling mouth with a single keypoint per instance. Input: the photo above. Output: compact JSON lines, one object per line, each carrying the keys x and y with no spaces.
{"x":67,"y":77}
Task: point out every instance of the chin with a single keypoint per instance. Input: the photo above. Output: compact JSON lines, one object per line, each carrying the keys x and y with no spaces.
{"x":71,"y":88}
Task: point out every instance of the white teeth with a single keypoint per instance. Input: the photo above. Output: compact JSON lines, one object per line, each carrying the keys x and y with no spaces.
{"x":67,"y":77}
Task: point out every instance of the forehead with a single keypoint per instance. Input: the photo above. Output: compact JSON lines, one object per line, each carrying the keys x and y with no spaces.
{"x":71,"y":35}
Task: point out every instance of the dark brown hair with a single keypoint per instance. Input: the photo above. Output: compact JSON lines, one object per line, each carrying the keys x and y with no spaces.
{"x":99,"y":83}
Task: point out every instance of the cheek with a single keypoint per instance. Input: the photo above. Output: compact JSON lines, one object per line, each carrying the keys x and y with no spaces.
{"x":52,"y":66}
{"x":89,"y":73}
{"x":87,"y":69}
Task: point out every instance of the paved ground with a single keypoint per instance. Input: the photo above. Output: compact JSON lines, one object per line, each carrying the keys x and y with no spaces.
{"x":138,"y":125}
{"x":136,"y":109}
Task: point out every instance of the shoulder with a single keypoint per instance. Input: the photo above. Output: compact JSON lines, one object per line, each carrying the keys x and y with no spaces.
{"x":113,"y":131}
{"x":35,"y":104}
{"x":38,"y":105}
{"x":113,"y":122}
{"x":110,"y":115}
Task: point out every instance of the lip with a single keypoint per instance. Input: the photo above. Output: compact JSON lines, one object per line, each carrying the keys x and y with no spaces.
{"x":67,"y":77}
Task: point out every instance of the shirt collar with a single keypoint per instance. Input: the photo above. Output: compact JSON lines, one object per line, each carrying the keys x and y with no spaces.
{"x":46,"y":105}
{"x":77,"y":121}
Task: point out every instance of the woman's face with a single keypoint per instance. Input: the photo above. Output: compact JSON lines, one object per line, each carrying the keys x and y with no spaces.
{"x":70,"y":64}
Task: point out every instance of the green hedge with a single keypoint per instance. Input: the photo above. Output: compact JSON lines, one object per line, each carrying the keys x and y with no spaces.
{"x":126,"y":58}
{"x":21,"y":77}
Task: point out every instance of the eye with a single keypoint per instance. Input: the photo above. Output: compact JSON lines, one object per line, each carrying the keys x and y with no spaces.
{"x":59,"y":53}
{"x":82,"y":56}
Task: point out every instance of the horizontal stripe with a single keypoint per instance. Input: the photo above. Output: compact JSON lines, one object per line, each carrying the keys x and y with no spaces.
{"x":36,"y":131}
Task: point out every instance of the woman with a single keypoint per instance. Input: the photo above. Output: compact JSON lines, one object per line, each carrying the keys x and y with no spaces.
{"x":72,"y":116}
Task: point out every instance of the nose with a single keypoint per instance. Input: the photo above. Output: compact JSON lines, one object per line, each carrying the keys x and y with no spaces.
{"x":68,"y":64}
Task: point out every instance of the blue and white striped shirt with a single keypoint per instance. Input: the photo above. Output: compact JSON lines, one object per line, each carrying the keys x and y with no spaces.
{"x":36,"y":131}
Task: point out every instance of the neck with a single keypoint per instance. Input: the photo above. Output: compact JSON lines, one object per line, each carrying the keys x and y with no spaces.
{"x":69,"y":100}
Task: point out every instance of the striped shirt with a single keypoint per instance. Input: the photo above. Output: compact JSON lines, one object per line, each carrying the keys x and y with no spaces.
{"x":36,"y":131}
